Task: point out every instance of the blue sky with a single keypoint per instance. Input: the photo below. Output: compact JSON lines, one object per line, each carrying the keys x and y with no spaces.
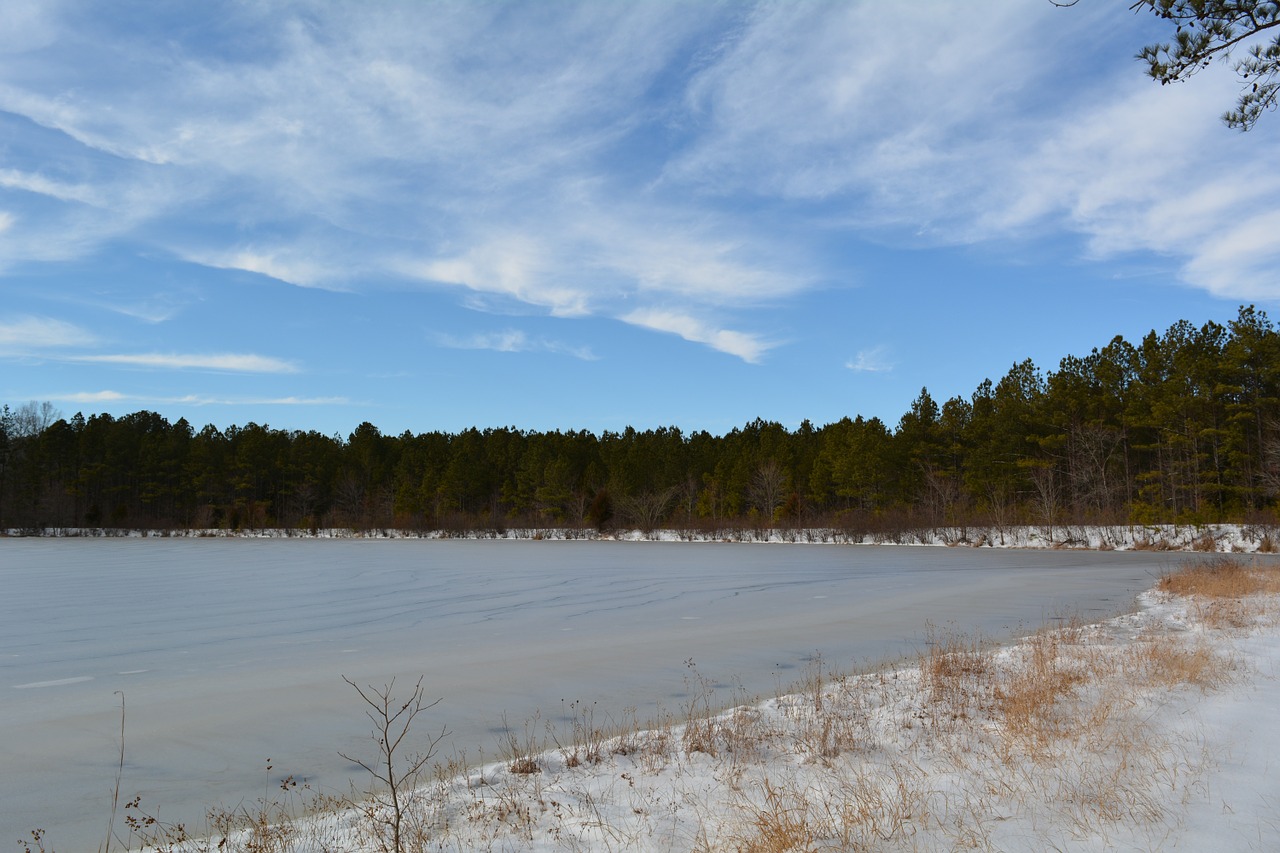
{"x":594,"y":215}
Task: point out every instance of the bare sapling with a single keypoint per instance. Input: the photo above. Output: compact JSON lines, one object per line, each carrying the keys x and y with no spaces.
{"x":395,"y":776}
{"x":115,"y":795}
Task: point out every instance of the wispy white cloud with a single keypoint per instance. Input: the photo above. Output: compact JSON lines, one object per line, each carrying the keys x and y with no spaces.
{"x":44,"y":337}
{"x":619,"y":160}
{"x":399,"y":140}
{"x":14,"y":179}
{"x":66,"y":221}
{"x":874,"y":360}
{"x":513,"y":340}
{"x":156,"y":308}
{"x":292,"y":265}
{"x":1144,"y":178}
{"x":149,"y":305}
{"x":516,"y":266}
{"x":97,"y":397}
{"x":920,"y":139}
{"x":198,"y":400}
{"x":593,"y":265}
{"x":659,"y":253}
{"x":750,"y":348}
{"x":29,"y":335}
{"x":88,"y":397}
{"x":228,"y":362}
{"x":1240,"y":260}
{"x":813,"y":100}
{"x":27,"y":26}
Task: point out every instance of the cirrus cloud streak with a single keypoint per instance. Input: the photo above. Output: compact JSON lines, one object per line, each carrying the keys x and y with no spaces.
{"x":101,"y":397}
{"x":226,"y":362}
{"x":512,"y":340}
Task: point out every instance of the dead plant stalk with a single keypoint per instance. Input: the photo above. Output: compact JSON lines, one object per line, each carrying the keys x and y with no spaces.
{"x":392,"y":720}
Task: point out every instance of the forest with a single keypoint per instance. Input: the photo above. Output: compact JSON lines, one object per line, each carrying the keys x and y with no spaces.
{"x":1181,"y":427}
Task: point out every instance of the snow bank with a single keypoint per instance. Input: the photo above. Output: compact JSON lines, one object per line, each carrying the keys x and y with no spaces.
{"x":1233,"y":538}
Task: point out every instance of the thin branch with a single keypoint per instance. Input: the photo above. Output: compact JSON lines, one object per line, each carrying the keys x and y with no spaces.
{"x":115,"y":795}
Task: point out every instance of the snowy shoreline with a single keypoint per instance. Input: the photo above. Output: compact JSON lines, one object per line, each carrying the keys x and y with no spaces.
{"x":1149,"y":730}
{"x":1209,"y":538}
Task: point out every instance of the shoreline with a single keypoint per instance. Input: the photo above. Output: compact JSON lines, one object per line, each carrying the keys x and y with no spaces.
{"x":1206,"y":538}
{"x":1138,"y":731}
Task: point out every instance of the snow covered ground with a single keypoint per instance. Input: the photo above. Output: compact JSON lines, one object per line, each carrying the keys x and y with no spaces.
{"x":1154,"y":730}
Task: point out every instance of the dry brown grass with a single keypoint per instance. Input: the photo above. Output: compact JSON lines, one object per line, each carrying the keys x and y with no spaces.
{"x":827,"y":715}
{"x":871,"y":809}
{"x":855,"y":807}
{"x":781,"y":825}
{"x":272,"y":825}
{"x":268,"y":829}
{"x":738,"y":735}
{"x":586,"y":741}
{"x":1173,"y":661}
{"x":1222,"y":577}
{"x":1035,"y":683}
{"x":1205,"y":543}
{"x":521,"y":753}
{"x":1223,"y":589}
{"x":957,"y":673}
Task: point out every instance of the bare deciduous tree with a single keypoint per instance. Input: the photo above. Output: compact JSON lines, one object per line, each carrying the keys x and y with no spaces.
{"x":767,"y":488}
{"x":647,"y":509}
{"x":941,"y":493}
{"x":31,"y":419}
{"x":1045,"y":479}
{"x":392,"y":719}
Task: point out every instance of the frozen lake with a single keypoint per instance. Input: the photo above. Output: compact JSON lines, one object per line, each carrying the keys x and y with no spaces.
{"x":231,"y":652}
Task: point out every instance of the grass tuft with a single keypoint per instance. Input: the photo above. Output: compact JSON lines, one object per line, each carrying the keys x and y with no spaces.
{"x":1223,"y":589}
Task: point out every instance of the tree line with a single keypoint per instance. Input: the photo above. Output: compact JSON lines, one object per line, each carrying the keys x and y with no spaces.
{"x":1180,"y":427}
